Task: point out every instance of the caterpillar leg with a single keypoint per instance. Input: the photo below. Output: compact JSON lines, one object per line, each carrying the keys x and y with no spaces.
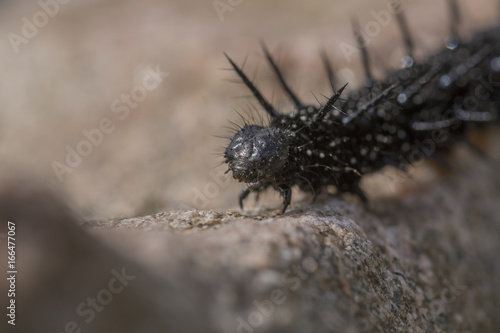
{"x":244,"y":194}
{"x":286,"y":193}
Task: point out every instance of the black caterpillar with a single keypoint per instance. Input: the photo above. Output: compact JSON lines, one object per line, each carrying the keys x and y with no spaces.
{"x":383,"y":123}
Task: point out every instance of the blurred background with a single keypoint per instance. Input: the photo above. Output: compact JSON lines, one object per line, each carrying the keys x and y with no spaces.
{"x":71,"y":73}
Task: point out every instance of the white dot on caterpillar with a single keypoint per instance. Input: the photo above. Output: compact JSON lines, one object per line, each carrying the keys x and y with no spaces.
{"x":451,"y":43}
{"x":334,"y":142}
{"x":444,"y":81}
{"x":406,"y":62}
{"x":303,"y":118}
{"x":309,"y":152}
{"x":321,"y":155}
{"x":402,"y":98}
{"x":353,"y":160}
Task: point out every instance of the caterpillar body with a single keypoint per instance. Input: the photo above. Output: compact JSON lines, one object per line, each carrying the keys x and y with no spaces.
{"x":382,"y":123}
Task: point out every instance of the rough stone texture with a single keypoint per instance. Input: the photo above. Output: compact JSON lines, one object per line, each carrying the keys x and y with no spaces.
{"x":423,"y":262}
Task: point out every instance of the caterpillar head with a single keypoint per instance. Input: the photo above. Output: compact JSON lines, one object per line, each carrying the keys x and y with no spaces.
{"x":257,"y":153}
